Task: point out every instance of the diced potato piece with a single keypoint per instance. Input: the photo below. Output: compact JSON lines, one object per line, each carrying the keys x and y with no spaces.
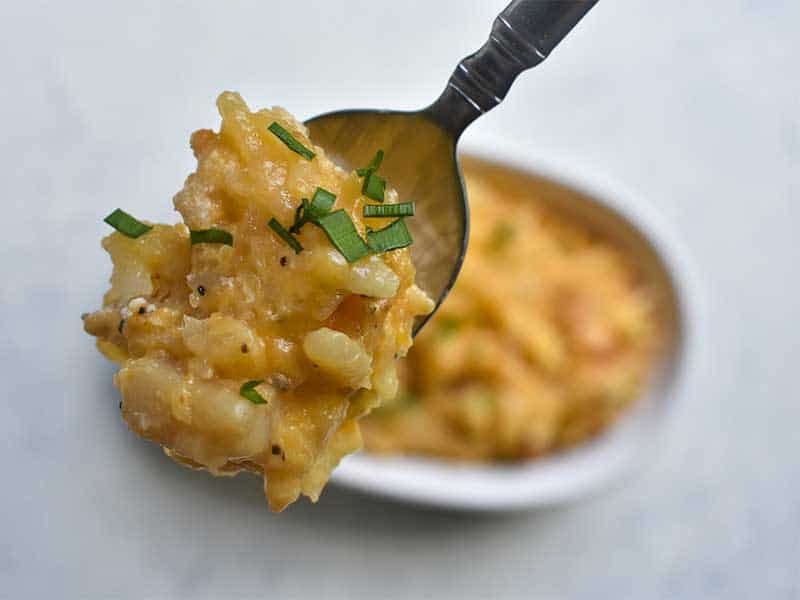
{"x":371,"y":277}
{"x":339,"y":356}
{"x":418,"y":301}
{"x":148,"y":265}
{"x":206,"y":422}
{"x":385,"y":381}
{"x":228,"y":344}
{"x":538,"y":337}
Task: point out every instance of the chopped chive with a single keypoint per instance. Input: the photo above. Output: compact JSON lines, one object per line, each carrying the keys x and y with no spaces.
{"x":373,"y":165}
{"x":447,"y":325}
{"x":321,"y":203}
{"x":285,"y":235}
{"x":309,"y":212}
{"x":248,"y":390}
{"x":211,"y":236}
{"x":393,"y":236}
{"x":290,"y":141}
{"x":342,"y":233}
{"x":126,"y":224}
{"x":374,"y":186}
{"x":402,"y":209}
{"x":300,"y":216}
{"x":502,"y":234}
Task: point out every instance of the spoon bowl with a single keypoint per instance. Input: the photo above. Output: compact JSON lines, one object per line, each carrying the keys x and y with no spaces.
{"x":420,"y":147}
{"x":420,"y":163}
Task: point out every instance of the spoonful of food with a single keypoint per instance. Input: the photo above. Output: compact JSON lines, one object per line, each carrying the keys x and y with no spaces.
{"x":420,"y":147}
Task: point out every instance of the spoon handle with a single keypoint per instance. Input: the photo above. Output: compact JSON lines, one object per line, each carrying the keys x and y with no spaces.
{"x":522,"y":36}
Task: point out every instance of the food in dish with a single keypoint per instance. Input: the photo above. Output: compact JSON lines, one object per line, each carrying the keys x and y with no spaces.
{"x":548,"y":336}
{"x":256,"y":333}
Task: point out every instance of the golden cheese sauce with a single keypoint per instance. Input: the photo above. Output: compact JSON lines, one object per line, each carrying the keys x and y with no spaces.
{"x":547,"y":337}
{"x":189,"y":324}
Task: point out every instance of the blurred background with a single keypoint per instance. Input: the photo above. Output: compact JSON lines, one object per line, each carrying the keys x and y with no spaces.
{"x":694,"y":106}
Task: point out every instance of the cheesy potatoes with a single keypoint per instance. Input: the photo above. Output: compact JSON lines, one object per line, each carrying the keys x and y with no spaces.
{"x":245,"y":343}
{"x":547,"y":337}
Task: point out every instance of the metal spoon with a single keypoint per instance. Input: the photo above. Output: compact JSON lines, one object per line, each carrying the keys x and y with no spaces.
{"x":420,"y":147}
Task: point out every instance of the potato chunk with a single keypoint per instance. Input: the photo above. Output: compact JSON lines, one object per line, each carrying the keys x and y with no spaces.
{"x":344,"y":359}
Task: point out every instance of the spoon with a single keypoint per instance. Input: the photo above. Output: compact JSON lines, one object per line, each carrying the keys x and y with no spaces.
{"x":420,"y":147}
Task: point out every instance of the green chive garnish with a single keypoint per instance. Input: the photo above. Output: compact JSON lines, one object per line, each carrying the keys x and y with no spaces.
{"x":448,"y":326}
{"x":321,"y":203}
{"x":391,"y":237}
{"x":502,"y":234}
{"x":126,"y":224}
{"x":374,"y":186}
{"x":310,"y":212}
{"x":285,"y":235}
{"x":402,"y":209}
{"x":342,"y":233}
{"x":299,"y":216}
{"x":290,"y":141}
{"x":211,"y":236}
{"x":248,"y":390}
{"x":373,"y":165}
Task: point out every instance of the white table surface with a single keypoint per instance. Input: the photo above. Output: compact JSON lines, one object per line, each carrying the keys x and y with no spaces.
{"x":695,"y":105}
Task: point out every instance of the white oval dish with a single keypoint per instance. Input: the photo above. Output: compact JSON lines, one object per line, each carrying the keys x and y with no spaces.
{"x":575,"y":473}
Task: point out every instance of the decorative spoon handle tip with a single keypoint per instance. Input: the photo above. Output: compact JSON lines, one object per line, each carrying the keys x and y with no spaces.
{"x":522,"y":36}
